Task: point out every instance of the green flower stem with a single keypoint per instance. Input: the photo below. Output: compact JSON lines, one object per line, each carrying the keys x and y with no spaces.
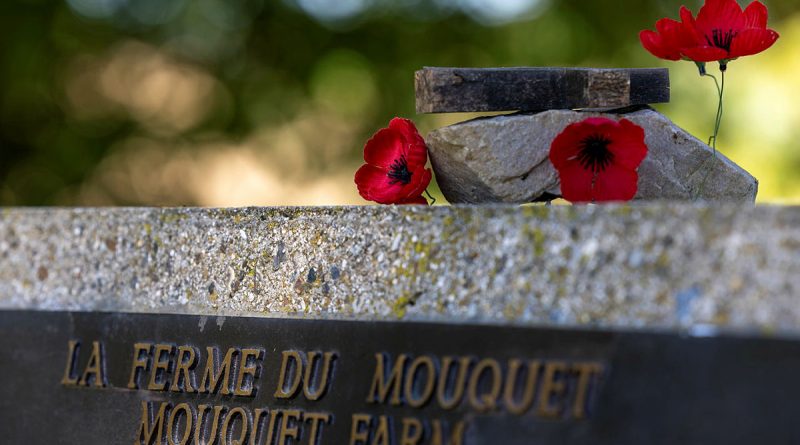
{"x":433,"y":200}
{"x":712,"y":141}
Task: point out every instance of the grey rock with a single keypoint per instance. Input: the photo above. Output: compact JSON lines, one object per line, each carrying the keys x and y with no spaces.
{"x":505,"y":159}
{"x":671,"y":266}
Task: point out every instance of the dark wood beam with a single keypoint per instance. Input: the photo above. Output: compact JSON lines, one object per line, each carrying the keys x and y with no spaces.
{"x":450,"y":90}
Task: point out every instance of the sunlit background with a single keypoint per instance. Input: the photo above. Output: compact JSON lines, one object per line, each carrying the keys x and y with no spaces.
{"x":269,"y":102}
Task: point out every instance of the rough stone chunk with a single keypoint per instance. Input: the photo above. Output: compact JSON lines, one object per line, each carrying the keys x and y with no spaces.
{"x":505,"y":159}
{"x":448,"y":90}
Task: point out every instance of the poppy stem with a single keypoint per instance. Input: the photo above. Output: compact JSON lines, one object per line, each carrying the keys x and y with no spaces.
{"x":719,"y":112}
{"x":433,"y":200}
{"x":712,"y":141}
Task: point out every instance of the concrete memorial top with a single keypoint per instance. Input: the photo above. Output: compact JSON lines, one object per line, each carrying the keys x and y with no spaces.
{"x":656,"y":266}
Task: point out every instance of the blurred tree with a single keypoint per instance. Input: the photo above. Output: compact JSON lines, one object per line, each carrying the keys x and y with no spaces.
{"x":219,"y":102}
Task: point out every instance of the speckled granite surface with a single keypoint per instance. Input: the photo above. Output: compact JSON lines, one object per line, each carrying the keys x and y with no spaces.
{"x":656,"y":266}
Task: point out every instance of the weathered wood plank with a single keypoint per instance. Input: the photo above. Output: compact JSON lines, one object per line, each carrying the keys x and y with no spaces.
{"x":450,"y":90}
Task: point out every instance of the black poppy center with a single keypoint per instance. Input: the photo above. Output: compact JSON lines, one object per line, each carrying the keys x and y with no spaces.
{"x":594,"y":154}
{"x":398,"y":171}
{"x":721,"y":39}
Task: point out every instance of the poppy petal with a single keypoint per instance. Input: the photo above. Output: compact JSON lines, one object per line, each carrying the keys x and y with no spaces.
{"x":384,"y":148}
{"x":685,"y":35}
{"x":416,"y":155}
{"x":755,"y":15}
{"x":705,"y":53}
{"x":419,"y":200}
{"x":420,"y":179}
{"x":667,"y":25}
{"x":375,"y":185}
{"x":599,"y":121}
{"x":694,"y":37}
{"x":671,"y":36}
{"x":687,"y":17}
{"x":627,"y":145}
{"x":576,"y":183}
{"x":722,"y":15}
{"x":407,"y":129}
{"x":615,"y":183}
{"x":566,"y":146}
{"x":416,"y":150}
{"x":752,"y":41}
{"x":654,"y":43}
{"x":677,"y":35}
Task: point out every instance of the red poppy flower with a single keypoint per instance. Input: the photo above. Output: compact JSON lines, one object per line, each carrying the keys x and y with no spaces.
{"x":597,"y":160}
{"x":721,"y":32}
{"x":395,"y":171}
{"x":669,"y":38}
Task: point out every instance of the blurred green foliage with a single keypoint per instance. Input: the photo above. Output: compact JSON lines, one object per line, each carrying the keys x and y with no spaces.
{"x":234,"y":102}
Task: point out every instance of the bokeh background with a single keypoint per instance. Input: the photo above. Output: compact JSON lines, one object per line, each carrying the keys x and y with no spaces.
{"x":269,"y":102}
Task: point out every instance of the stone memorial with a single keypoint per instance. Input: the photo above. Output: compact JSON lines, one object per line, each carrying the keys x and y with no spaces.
{"x":656,"y":322}
{"x":505,"y":158}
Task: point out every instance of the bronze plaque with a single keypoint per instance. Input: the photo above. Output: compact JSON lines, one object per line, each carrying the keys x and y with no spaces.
{"x":111,"y":378}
